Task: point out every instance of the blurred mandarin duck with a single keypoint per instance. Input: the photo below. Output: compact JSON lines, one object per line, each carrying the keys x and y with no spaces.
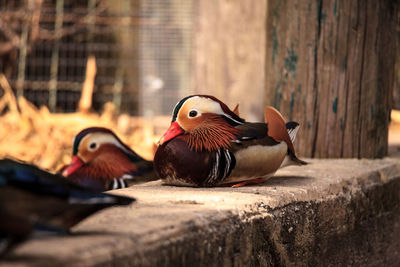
{"x":207,"y":144}
{"x":35,"y":201}
{"x":101,"y":161}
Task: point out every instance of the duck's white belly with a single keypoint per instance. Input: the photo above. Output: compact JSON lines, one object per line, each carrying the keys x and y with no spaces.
{"x":257,"y":162}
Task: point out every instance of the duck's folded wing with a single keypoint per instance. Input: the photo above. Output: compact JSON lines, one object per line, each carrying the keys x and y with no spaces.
{"x":253,"y":134}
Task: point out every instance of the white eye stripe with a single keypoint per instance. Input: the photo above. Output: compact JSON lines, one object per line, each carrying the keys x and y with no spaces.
{"x":207,"y":106}
{"x":103,"y":138}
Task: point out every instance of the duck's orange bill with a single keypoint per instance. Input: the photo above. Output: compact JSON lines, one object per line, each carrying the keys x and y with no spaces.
{"x":75,"y":164}
{"x":173,"y":131}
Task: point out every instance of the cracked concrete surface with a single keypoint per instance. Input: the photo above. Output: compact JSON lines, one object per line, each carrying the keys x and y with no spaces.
{"x":330,"y":212}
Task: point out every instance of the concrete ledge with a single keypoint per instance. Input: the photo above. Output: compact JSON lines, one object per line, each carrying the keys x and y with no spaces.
{"x":331,"y":212}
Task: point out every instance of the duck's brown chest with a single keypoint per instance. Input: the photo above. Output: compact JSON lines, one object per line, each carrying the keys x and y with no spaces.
{"x":177,"y":164}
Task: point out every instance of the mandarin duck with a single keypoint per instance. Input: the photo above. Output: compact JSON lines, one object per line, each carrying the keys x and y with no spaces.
{"x":207,"y":144}
{"x":33,"y":200}
{"x":101,"y":161}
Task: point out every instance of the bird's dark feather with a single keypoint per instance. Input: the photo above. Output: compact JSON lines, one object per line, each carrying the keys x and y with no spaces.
{"x":32,"y":197}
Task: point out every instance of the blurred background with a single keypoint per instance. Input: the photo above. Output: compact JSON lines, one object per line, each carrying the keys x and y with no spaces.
{"x":124,"y":64}
{"x":142,"y":50}
{"x":75,"y":64}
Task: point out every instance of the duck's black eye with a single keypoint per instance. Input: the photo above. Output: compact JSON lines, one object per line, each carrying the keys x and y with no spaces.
{"x":93,"y":145}
{"x":193,"y":113}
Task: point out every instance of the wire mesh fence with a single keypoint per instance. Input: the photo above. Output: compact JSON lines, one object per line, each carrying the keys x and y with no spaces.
{"x":142,"y":49}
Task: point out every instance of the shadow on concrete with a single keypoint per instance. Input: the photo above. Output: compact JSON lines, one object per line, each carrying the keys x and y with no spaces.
{"x":40,"y":259}
{"x":33,"y":259}
{"x":283,"y":180}
{"x":75,"y":233}
{"x":394,"y":150}
{"x":280,"y":180}
{"x":94,"y":233}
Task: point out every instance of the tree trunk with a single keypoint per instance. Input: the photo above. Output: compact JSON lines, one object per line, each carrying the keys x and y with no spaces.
{"x":396,"y":86}
{"x":330,"y":67}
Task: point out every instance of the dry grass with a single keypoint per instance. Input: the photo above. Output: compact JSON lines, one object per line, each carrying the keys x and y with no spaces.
{"x":45,"y":139}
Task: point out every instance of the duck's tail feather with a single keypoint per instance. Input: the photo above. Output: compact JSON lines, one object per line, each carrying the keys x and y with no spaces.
{"x":292,"y":129}
{"x":291,"y":159}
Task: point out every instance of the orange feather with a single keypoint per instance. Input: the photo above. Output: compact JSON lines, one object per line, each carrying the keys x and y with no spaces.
{"x":236,"y":110}
{"x":277,"y":126}
{"x":212,"y":134}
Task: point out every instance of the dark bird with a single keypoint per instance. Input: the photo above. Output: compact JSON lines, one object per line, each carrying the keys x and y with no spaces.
{"x":34,"y":200}
{"x":101,"y":161}
{"x":207,"y":144}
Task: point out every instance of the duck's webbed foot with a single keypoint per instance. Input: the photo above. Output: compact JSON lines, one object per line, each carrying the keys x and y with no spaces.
{"x":249,"y":182}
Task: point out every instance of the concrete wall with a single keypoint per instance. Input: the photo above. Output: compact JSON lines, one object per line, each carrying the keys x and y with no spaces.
{"x":328,"y":213}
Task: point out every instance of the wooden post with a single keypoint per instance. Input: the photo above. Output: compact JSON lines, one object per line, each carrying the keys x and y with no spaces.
{"x":125,"y":38}
{"x":22,"y":60}
{"x":126,"y":72}
{"x":58,"y":24}
{"x":396,"y":85}
{"x":229,"y":53}
{"x":85,"y":103}
{"x":330,"y":66}
{"x":91,"y":23}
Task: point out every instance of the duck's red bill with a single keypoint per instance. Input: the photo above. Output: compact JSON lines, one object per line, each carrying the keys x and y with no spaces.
{"x":75,"y":164}
{"x":173,"y":131}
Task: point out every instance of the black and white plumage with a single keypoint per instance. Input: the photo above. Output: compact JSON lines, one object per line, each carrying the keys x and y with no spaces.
{"x":222,"y":165}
